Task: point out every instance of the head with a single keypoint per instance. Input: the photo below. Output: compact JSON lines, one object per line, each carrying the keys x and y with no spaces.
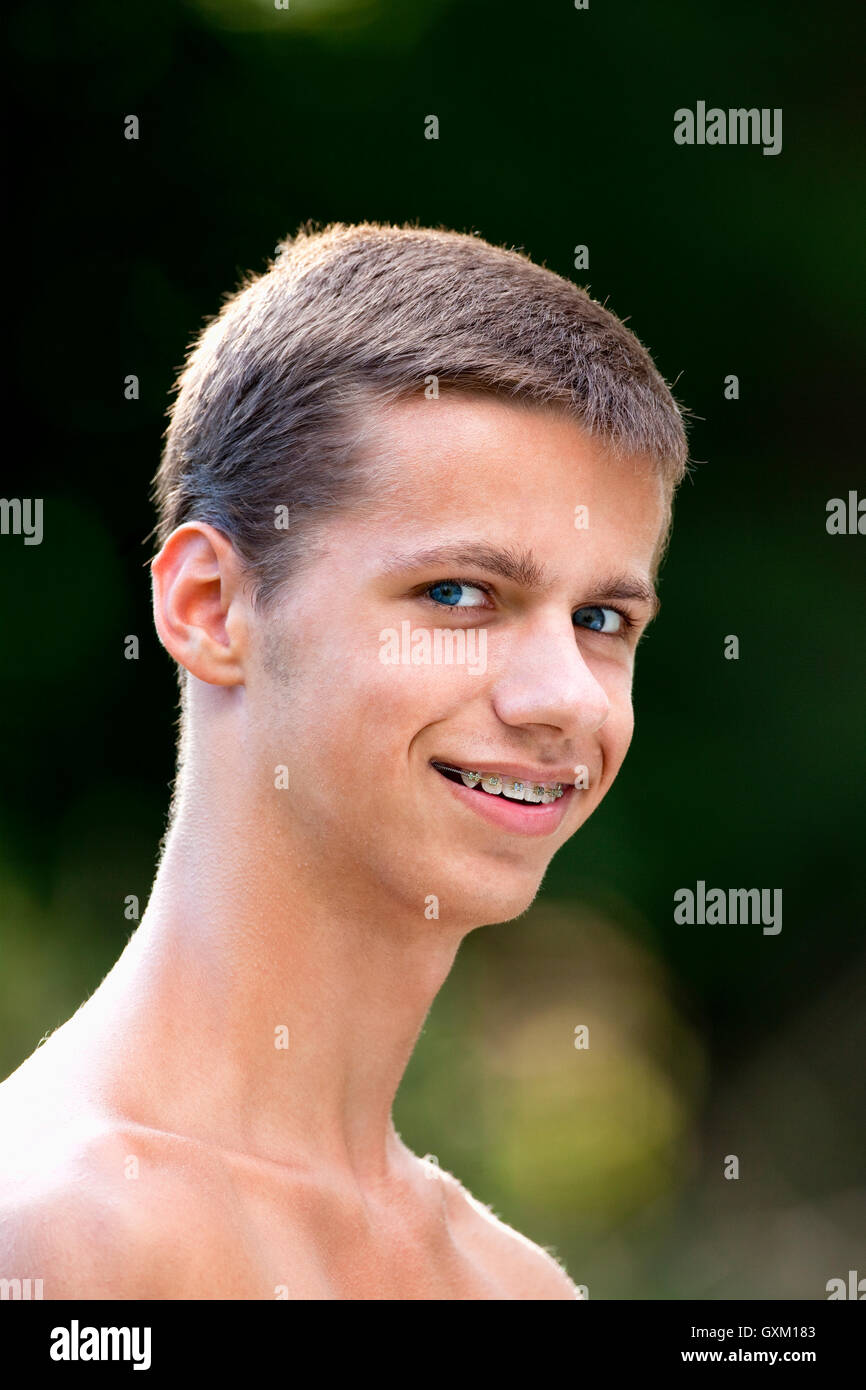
{"x":412,"y":504}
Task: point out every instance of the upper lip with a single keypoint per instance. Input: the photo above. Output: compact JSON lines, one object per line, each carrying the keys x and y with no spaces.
{"x":521,"y":772}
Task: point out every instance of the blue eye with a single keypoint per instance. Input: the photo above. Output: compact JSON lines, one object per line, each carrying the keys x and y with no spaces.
{"x":597,"y":619}
{"x":452,"y":593}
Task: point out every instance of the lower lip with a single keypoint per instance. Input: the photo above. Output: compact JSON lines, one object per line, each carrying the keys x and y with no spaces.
{"x":511,"y":815}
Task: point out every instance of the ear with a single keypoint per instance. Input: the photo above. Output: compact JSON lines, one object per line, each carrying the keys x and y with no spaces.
{"x":200,"y":608}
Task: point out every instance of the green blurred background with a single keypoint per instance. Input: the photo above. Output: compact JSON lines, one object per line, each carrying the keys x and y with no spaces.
{"x":556,"y":129}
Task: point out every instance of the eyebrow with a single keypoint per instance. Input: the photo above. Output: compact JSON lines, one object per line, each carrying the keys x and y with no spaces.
{"x":519,"y":566}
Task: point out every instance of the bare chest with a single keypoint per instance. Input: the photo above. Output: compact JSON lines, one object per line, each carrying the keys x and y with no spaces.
{"x":347,"y":1259}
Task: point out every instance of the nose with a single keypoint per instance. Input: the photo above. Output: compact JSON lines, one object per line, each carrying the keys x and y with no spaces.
{"x":545,"y":679}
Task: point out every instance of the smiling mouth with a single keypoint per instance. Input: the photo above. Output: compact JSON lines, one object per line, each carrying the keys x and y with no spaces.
{"x":497,"y":784}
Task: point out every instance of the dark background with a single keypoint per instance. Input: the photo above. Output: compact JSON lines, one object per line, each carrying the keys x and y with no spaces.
{"x":556,"y":129}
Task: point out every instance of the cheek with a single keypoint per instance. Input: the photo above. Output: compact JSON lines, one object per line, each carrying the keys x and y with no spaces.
{"x":403,"y":702}
{"x":368,"y":713}
{"x":617,"y":730}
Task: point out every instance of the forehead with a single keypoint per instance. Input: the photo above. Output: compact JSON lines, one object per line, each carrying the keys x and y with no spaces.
{"x":464,"y":467}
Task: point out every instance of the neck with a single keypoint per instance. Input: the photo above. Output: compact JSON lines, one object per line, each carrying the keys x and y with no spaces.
{"x":265,"y":1004}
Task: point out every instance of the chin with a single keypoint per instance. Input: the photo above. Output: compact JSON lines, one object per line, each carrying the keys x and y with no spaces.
{"x":469,"y":890}
{"x":492,"y":905}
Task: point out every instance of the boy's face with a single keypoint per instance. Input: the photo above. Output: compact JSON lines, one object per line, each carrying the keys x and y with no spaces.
{"x":543,"y":689}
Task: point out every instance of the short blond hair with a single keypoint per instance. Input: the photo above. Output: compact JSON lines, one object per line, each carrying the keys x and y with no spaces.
{"x":349,"y":317}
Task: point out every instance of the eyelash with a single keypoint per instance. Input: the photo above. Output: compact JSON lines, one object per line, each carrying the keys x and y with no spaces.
{"x":627,"y":621}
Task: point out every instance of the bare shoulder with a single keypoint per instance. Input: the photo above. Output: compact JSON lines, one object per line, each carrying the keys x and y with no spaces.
{"x":97,"y":1211}
{"x":525,"y":1270}
{"x":72,"y":1241}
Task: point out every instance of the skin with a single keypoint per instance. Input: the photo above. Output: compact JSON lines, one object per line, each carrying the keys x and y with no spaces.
{"x":159,"y":1144}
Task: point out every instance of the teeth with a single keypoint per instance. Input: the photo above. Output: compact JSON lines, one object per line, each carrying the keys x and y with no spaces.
{"x":516,"y":790}
{"x":511,"y":787}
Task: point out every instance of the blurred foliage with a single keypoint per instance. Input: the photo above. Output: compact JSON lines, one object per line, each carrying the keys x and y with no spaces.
{"x":556,"y":129}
